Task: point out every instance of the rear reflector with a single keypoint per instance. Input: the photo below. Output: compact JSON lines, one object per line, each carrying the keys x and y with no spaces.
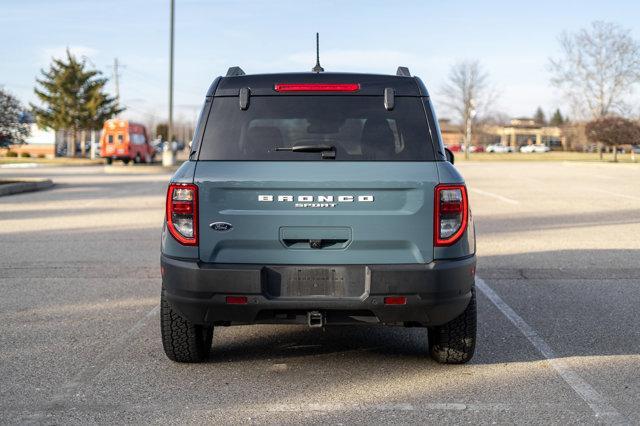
{"x":317,"y":87}
{"x":395,"y":300}
{"x":236,"y":300}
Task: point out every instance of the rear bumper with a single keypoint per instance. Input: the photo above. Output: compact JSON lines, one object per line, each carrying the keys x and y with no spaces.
{"x":435,"y":293}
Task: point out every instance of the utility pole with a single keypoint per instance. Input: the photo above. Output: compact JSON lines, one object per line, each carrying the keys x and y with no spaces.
{"x":170,"y":124}
{"x":116,"y":78}
{"x":168,"y":156}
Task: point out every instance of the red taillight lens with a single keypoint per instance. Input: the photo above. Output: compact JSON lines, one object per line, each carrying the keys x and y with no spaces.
{"x":317,"y":87}
{"x":450,"y":214}
{"x":182,"y":213}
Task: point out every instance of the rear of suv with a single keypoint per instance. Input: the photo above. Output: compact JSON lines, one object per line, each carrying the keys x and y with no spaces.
{"x":320,"y":199}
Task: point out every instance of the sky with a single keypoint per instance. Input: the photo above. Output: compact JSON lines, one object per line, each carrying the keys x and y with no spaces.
{"x":512,"y":40}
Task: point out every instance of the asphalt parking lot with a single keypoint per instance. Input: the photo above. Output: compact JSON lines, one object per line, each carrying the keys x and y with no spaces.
{"x":559,"y":331}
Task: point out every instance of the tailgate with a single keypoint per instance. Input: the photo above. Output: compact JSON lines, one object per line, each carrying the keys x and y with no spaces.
{"x":316,"y":213}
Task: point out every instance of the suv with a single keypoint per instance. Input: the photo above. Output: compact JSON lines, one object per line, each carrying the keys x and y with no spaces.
{"x":319,"y":199}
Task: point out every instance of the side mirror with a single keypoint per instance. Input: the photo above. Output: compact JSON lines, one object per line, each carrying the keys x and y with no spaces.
{"x":449,"y":155}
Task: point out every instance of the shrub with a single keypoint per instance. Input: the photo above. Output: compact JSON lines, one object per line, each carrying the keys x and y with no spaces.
{"x":12,"y":154}
{"x":41,"y":156}
{"x":25,"y":155}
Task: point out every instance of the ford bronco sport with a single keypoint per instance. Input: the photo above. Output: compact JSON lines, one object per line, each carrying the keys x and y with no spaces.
{"x":318,"y":199}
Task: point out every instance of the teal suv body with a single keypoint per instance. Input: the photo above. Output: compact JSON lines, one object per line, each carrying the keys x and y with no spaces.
{"x":320,"y":199}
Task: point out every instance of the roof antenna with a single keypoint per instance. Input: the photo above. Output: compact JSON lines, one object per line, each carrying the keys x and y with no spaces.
{"x":317,"y":68}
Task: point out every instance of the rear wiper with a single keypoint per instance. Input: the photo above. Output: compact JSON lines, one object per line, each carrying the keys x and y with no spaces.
{"x":328,"y":151}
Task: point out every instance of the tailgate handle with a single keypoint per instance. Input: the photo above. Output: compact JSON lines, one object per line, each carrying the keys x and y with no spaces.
{"x":315,"y":237}
{"x":313,"y":242}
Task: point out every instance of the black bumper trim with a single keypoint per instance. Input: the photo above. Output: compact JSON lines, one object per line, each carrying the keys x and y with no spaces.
{"x":436,"y":292}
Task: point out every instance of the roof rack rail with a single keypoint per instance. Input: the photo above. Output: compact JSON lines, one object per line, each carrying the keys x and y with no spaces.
{"x":234,"y":72}
{"x":403,"y":72}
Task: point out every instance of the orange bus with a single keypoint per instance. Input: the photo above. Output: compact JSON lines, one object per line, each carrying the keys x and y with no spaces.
{"x":126,"y":141}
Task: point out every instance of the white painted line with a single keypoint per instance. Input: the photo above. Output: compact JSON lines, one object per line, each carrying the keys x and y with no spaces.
{"x":70,"y":388}
{"x":615,"y":194}
{"x":422,"y":407}
{"x":496,"y":196}
{"x":598,"y":404}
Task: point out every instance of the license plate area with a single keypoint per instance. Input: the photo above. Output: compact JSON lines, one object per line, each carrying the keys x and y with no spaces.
{"x":312,"y":281}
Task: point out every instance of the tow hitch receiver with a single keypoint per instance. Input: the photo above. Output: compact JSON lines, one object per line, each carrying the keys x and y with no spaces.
{"x":315,"y":319}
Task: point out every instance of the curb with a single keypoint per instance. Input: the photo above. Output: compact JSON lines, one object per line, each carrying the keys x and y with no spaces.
{"x":19,"y":186}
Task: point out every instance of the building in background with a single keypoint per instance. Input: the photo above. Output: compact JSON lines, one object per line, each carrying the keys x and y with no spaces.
{"x":519,"y":132}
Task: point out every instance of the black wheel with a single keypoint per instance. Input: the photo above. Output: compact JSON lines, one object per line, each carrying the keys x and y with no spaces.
{"x":182,"y":340}
{"x":138,"y":159}
{"x":125,"y":160}
{"x":455,"y":341}
{"x":109,"y":160}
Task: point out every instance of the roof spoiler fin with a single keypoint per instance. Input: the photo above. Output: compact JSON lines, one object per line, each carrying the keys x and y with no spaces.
{"x":403,"y":72}
{"x":234,"y":72}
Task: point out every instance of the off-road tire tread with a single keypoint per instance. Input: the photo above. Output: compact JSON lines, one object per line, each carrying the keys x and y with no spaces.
{"x":455,"y":341}
{"x":182,"y":340}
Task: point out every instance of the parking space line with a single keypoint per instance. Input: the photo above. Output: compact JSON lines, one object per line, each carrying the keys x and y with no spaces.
{"x":496,"y":196}
{"x":70,"y":388}
{"x":598,"y":404}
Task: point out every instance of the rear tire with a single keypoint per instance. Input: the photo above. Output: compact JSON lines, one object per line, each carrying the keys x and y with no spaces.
{"x":125,"y":160}
{"x":138,"y":159}
{"x":182,"y":340}
{"x":108,"y":160}
{"x":455,"y":341}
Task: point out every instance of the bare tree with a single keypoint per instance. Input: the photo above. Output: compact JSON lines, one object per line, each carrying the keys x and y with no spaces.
{"x":598,"y":67}
{"x":465,"y":93}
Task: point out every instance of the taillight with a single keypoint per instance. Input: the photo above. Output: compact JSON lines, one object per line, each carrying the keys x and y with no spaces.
{"x":451,"y":212}
{"x":317,"y":87}
{"x":182,"y":213}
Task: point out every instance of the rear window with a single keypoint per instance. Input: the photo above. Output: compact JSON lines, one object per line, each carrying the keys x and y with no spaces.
{"x":359,"y":127}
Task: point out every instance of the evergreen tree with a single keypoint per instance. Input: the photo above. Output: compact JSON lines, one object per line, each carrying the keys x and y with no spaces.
{"x":12,"y":130}
{"x":73,"y":98}
{"x":539,"y":117}
{"x":557,"y":119}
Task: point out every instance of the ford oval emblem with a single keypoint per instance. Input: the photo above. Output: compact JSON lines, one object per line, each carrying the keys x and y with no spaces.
{"x":221,"y":226}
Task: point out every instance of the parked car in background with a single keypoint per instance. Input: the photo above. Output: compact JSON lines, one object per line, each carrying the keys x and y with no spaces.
{"x":499,"y":148}
{"x":455,"y":148}
{"x":534,"y":148}
{"x":157,"y":145}
{"x":473,"y":148}
{"x":96,"y":147}
{"x":126,"y":141}
{"x":635,"y":149}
